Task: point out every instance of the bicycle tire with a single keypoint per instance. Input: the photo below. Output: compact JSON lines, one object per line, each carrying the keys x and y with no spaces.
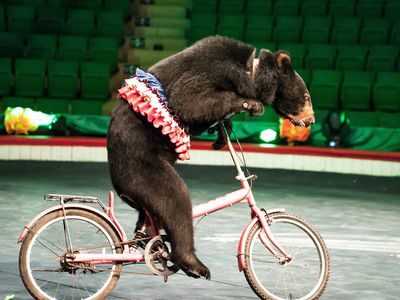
{"x":38,"y":241}
{"x":298,"y":236}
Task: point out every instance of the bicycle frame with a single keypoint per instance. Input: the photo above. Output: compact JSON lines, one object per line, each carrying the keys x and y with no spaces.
{"x":131,"y":254}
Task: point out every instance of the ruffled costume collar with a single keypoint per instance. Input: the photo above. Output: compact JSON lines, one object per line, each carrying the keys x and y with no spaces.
{"x":146,"y":96}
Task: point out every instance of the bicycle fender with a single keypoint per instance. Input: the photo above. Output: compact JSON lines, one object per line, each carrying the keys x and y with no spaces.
{"x":66,"y":206}
{"x":245,"y":233}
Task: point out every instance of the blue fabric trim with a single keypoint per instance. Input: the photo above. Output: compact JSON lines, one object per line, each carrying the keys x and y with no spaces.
{"x":153,"y":83}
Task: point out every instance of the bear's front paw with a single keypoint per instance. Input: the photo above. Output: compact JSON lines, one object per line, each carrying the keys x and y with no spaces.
{"x":256,"y":108}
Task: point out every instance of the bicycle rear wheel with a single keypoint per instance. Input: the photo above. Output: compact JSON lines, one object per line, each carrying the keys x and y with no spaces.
{"x":42,"y":264}
{"x":304,"y":277}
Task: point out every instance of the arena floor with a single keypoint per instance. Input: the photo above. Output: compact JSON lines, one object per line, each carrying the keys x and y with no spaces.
{"x":357,"y":215}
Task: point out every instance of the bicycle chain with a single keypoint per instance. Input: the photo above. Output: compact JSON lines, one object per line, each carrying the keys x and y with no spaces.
{"x":99,"y":247}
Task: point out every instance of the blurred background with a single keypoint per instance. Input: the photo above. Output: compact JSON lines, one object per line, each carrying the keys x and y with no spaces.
{"x":70,"y":57}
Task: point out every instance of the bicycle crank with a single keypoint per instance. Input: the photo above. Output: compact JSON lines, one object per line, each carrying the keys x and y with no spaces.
{"x":157,"y":255}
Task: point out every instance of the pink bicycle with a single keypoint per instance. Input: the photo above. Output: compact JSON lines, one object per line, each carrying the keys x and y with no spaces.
{"x":73,"y":250}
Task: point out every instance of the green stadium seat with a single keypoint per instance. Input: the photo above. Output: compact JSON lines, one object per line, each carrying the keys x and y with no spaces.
{"x":287,"y":29}
{"x":320,"y":56}
{"x":104,"y":49}
{"x":305,"y":74}
{"x":162,"y":11}
{"x":231,"y":7}
{"x":392,"y":9}
{"x":24,"y":102}
{"x":363,"y":118}
{"x":52,"y":105}
{"x":314,"y":8}
{"x":375,"y":31}
{"x":345,"y":30}
{"x":34,"y":3}
{"x":42,"y":46}
{"x":389,"y":120}
{"x":369,"y":8}
{"x":357,"y":89}
{"x":386,"y":94}
{"x":121,"y":5}
{"x":72,"y":47}
{"x":231,"y":26}
{"x":258,"y":7}
{"x":62,"y":79}
{"x":95,"y":80}
{"x":382,"y":58}
{"x":90,"y":4}
{"x":86,"y":107}
{"x":20,"y":18}
{"x":264,"y":45}
{"x":316,"y":30}
{"x":342,"y":8}
{"x":351,"y":57}
{"x":172,"y":2}
{"x":286,"y":7}
{"x":204,"y":6}
{"x":259,"y":28}
{"x":2,"y":14}
{"x":395,"y":33}
{"x":56,"y":3}
{"x":11,"y":44}
{"x":5,"y":76}
{"x":324,"y":88}
{"x":110,"y":23}
{"x":79,"y":21}
{"x":29,"y":77}
{"x":50,"y":20}
{"x":297,"y":53}
{"x":202,"y":25}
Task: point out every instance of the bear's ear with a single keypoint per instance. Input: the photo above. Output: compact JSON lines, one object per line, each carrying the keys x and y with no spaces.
{"x":266,"y":58}
{"x":283,"y":60}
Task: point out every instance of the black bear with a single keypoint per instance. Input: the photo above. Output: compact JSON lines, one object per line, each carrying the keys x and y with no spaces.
{"x":196,"y":87}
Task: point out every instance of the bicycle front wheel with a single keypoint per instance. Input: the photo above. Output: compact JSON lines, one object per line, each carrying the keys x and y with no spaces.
{"x":304,"y":277}
{"x":42,"y":260}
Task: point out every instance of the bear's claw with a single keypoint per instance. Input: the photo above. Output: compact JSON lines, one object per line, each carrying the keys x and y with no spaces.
{"x":193,"y":267}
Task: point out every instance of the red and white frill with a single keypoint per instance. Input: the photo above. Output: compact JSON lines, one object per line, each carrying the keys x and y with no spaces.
{"x":145,"y":100}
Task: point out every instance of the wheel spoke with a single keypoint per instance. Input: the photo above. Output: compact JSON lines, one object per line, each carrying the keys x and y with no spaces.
{"x":294,"y":279}
{"x":48,"y":274}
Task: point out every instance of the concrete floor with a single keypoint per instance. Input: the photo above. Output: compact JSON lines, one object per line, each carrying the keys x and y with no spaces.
{"x":357,"y":215}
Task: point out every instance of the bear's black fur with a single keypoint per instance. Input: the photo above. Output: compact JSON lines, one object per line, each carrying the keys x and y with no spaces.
{"x":204,"y":83}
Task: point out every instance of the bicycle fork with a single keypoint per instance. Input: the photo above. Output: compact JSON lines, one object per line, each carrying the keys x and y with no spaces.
{"x":265,"y":235}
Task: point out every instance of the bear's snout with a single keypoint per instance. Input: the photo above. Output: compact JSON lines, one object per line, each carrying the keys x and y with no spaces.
{"x":307,"y":121}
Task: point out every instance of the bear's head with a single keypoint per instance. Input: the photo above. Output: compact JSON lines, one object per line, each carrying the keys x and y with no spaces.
{"x":278,"y":84}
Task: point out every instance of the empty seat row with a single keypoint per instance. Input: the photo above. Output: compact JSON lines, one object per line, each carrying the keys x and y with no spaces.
{"x":55,"y":105}
{"x":25,"y":19}
{"x":341,"y":57}
{"x":297,"y":29}
{"x":356,"y":118}
{"x":89,"y":4}
{"x":64,"y":47}
{"x":348,"y":8}
{"x":365,"y":118}
{"x":354,"y":90}
{"x":52,"y":78}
